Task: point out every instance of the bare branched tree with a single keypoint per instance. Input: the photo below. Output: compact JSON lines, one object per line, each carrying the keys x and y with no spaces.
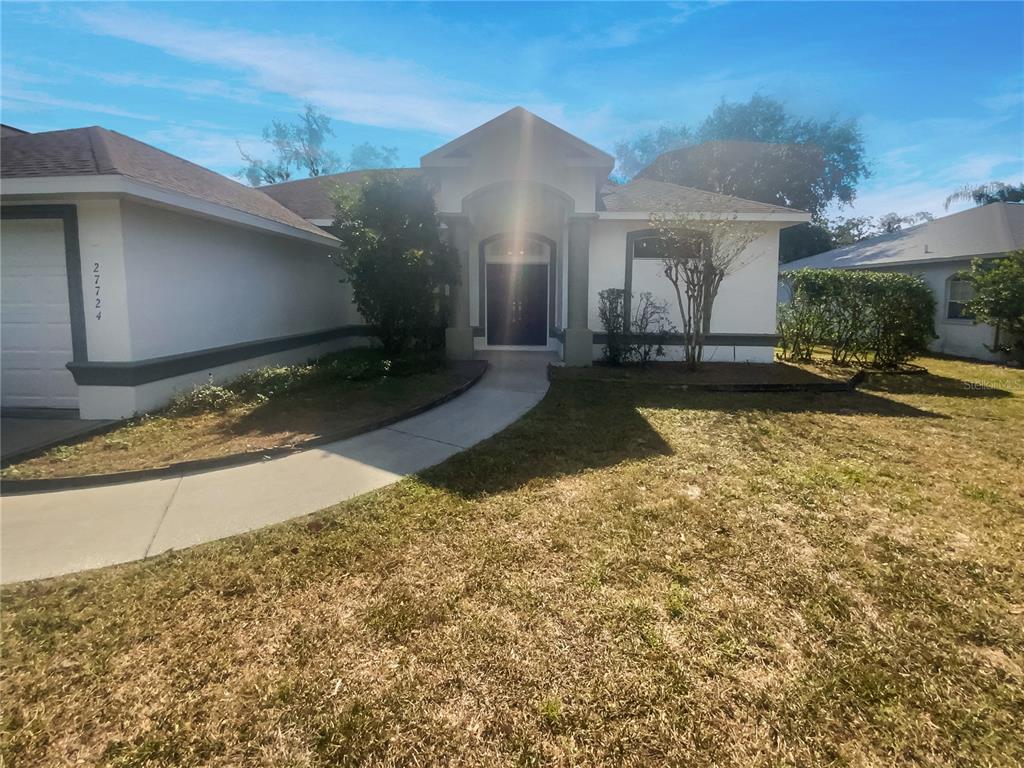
{"x":700,"y":251}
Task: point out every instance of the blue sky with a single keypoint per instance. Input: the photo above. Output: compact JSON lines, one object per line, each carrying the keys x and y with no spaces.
{"x":938,"y":87}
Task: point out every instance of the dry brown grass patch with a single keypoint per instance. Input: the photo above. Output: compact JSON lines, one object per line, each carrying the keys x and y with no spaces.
{"x":644,"y":579}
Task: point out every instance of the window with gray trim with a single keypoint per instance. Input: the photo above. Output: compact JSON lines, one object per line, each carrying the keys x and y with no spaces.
{"x":958,"y":293}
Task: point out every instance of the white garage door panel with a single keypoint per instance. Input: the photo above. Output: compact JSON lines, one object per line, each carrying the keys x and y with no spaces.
{"x":35,"y":337}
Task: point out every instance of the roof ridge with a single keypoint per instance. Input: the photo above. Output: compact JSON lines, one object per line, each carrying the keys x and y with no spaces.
{"x":522,"y":113}
{"x":326,"y":176}
{"x":101,"y":153}
{"x":205,"y":170}
{"x":709,"y":193}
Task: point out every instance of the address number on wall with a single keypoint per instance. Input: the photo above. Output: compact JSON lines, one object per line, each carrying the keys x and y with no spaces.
{"x":98,"y":300}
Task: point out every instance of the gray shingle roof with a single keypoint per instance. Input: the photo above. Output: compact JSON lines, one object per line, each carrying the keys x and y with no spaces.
{"x":311,"y":198}
{"x":96,"y":151}
{"x":649,"y":196}
{"x":988,"y":229}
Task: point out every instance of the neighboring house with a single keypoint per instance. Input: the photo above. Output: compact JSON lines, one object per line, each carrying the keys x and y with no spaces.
{"x":937,"y":251}
{"x":540,"y":233}
{"x":130,"y":274}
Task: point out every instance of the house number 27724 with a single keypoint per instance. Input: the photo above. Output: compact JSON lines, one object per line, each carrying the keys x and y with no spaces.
{"x":98,"y":305}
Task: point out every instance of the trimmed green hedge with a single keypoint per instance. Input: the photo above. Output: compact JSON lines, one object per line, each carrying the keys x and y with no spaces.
{"x":880,"y":318}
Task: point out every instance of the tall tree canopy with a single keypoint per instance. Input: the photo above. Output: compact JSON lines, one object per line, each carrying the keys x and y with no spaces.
{"x":643,"y":149}
{"x":781,"y":174}
{"x":837,"y":146}
{"x":300,"y":147}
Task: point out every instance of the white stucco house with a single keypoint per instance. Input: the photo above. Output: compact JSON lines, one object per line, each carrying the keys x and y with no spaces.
{"x":130,"y":274}
{"x":937,"y":251}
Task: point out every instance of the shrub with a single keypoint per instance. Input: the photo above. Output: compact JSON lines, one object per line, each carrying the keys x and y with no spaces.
{"x":649,"y":327}
{"x":880,"y":317}
{"x":203,"y":399}
{"x":395,"y":260}
{"x":270,"y":381}
{"x":999,"y":299}
{"x":902,"y":311}
{"x":610,"y":310}
{"x":261,"y":384}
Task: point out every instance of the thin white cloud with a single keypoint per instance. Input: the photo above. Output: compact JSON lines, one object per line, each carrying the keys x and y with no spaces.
{"x":628,"y":34}
{"x":381,"y":92}
{"x":927,"y":191}
{"x":1007,"y":99}
{"x":29,"y":101}
{"x":985,"y":166}
{"x":209,"y":149}
{"x":191,"y":87}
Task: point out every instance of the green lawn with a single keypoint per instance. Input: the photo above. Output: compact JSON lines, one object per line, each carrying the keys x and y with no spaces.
{"x":625,"y":577}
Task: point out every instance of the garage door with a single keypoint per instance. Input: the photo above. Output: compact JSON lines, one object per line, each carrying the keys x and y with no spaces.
{"x":35,"y":337}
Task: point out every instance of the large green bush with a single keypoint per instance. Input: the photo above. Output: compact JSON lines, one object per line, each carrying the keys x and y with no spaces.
{"x":999,"y":300}
{"x":879,"y":318}
{"x":395,"y":259}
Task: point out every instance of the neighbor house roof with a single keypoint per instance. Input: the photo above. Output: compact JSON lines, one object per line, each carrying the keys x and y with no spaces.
{"x":311,"y":198}
{"x":649,"y":196}
{"x":10,"y":130}
{"x":987,"y":230}
{"x":98,"y":152}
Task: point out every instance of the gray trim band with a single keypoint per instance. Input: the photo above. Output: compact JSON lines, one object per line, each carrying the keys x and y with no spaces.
{"x":627,"y":297}
{"x":135,"y":372}
{"x":68,"y":214}
{"x":710,"y":339}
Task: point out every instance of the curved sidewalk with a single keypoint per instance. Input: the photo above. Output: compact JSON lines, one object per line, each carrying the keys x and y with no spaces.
{"x":49,"y":534}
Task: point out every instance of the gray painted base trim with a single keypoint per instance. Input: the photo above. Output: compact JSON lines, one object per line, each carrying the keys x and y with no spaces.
{"x":132,"y":373}
{"x":710,"y":340}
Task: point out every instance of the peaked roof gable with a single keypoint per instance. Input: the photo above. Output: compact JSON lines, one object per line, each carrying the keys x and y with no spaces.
{"x":96,"y":151}
{"x":577,"y":149}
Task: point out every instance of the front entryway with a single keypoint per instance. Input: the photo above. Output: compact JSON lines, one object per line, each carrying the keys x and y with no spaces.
{"x":517,"y":304}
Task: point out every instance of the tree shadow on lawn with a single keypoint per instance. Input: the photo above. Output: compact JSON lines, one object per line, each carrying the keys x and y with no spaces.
{"x":582,"y":426}
{"x":933,"y":384}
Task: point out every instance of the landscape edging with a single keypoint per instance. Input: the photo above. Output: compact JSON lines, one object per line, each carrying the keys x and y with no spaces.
{"x":50,"y":484}
{"x":848,"y":385}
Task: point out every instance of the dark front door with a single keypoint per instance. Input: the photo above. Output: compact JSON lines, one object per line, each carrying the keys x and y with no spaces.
{"x":517,"y":304}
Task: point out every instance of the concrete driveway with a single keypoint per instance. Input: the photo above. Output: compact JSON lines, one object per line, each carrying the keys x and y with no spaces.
{"x":24,"y":430}
{"x":49,"y":534}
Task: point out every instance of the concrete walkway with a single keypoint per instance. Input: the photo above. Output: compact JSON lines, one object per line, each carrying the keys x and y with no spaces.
{"x":49,"y":534}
